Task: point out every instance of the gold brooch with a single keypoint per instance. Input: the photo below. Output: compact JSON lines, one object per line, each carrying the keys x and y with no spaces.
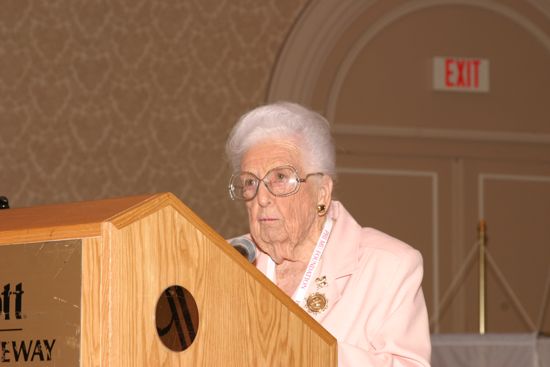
{"x":321,"y":282}
{"x":316,"y":302}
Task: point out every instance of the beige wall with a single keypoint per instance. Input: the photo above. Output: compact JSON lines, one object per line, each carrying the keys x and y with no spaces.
{"x":112,"y":98}
{"x":426,"y":165}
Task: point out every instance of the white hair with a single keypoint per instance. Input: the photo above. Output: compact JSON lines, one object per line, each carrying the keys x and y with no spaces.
{"x":284,"y":120}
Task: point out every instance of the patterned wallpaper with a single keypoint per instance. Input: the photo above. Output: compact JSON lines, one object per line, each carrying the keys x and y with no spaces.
{"x":109,"y":98}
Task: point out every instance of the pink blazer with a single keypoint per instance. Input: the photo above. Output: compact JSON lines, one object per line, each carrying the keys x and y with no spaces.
{"x":376,"y":309}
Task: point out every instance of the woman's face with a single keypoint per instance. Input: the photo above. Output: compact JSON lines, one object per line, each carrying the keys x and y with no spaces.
{"x":282,"y":226}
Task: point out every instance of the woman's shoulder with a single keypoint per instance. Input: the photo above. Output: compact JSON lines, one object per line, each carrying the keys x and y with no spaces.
{"x":370,"y":239}
{"x":385,"y":254}
{"x":375,"y":239}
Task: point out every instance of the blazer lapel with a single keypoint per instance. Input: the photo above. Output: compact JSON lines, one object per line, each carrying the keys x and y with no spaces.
{"x":339,"y":259}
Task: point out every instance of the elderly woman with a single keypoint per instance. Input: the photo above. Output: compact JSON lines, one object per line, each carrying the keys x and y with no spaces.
{"x":362,"y":285}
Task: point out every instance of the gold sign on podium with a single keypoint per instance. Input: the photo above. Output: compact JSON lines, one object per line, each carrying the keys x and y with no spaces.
{"x":40,"y":303}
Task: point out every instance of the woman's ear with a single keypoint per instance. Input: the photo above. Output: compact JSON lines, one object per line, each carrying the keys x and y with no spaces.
{"x":324,"y":195}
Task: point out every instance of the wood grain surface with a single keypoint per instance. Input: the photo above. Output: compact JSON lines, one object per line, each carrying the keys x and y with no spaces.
{"x":135,"y":248}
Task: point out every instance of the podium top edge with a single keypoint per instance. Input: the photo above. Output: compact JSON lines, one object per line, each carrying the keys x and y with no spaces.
{"x":84,"y":217}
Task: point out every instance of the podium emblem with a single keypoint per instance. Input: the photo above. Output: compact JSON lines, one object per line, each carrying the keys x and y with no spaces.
{"x":177,"y":318}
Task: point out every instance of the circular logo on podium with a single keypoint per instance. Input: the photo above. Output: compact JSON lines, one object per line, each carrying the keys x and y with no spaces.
{"x":177,"y":318}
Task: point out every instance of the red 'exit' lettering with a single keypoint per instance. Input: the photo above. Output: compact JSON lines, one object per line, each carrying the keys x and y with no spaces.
{"x":462,"y":73}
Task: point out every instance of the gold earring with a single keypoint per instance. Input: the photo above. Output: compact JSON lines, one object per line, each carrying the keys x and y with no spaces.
{"x":321,"y":208}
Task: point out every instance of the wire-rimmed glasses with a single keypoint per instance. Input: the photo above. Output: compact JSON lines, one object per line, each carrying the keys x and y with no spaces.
{"x":279,"y":181}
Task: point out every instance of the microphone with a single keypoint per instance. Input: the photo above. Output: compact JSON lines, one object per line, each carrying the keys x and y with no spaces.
{"x":4,"y":204}
{"x":245,"y":246}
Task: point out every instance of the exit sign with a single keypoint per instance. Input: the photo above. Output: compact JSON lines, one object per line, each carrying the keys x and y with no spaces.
{"x":461,"y":74}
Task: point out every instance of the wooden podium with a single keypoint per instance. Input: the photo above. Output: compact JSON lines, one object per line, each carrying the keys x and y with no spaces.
{"x":92,"y":284}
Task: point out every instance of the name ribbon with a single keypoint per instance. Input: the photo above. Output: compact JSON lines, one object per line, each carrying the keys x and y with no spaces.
{"x":299,"y":294}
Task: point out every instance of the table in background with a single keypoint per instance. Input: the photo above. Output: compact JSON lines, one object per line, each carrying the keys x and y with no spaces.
{"x":490,"y":350}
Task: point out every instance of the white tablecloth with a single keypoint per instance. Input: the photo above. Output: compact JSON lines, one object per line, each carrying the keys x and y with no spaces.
{"x":490,"y":350}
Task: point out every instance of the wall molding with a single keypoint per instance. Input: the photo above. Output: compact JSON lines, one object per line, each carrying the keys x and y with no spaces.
{"x":542,"y":5}
{"x":411,"y":7}
{"x":317,"y":32}
{"x":434,"y":179}
{"x":483,"y":177}
{"x":433,"y":133}
{"x":312,"y":39}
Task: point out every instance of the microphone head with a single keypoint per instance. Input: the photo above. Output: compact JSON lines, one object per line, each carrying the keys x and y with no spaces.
{"x":245,"y":246}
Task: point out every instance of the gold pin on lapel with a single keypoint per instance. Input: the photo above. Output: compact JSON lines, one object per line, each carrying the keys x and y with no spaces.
{"x":321,"y":282}
{"x":316,"y":302}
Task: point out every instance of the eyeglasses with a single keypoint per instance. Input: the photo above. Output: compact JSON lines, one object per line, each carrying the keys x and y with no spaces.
{"x":280,"y":181}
